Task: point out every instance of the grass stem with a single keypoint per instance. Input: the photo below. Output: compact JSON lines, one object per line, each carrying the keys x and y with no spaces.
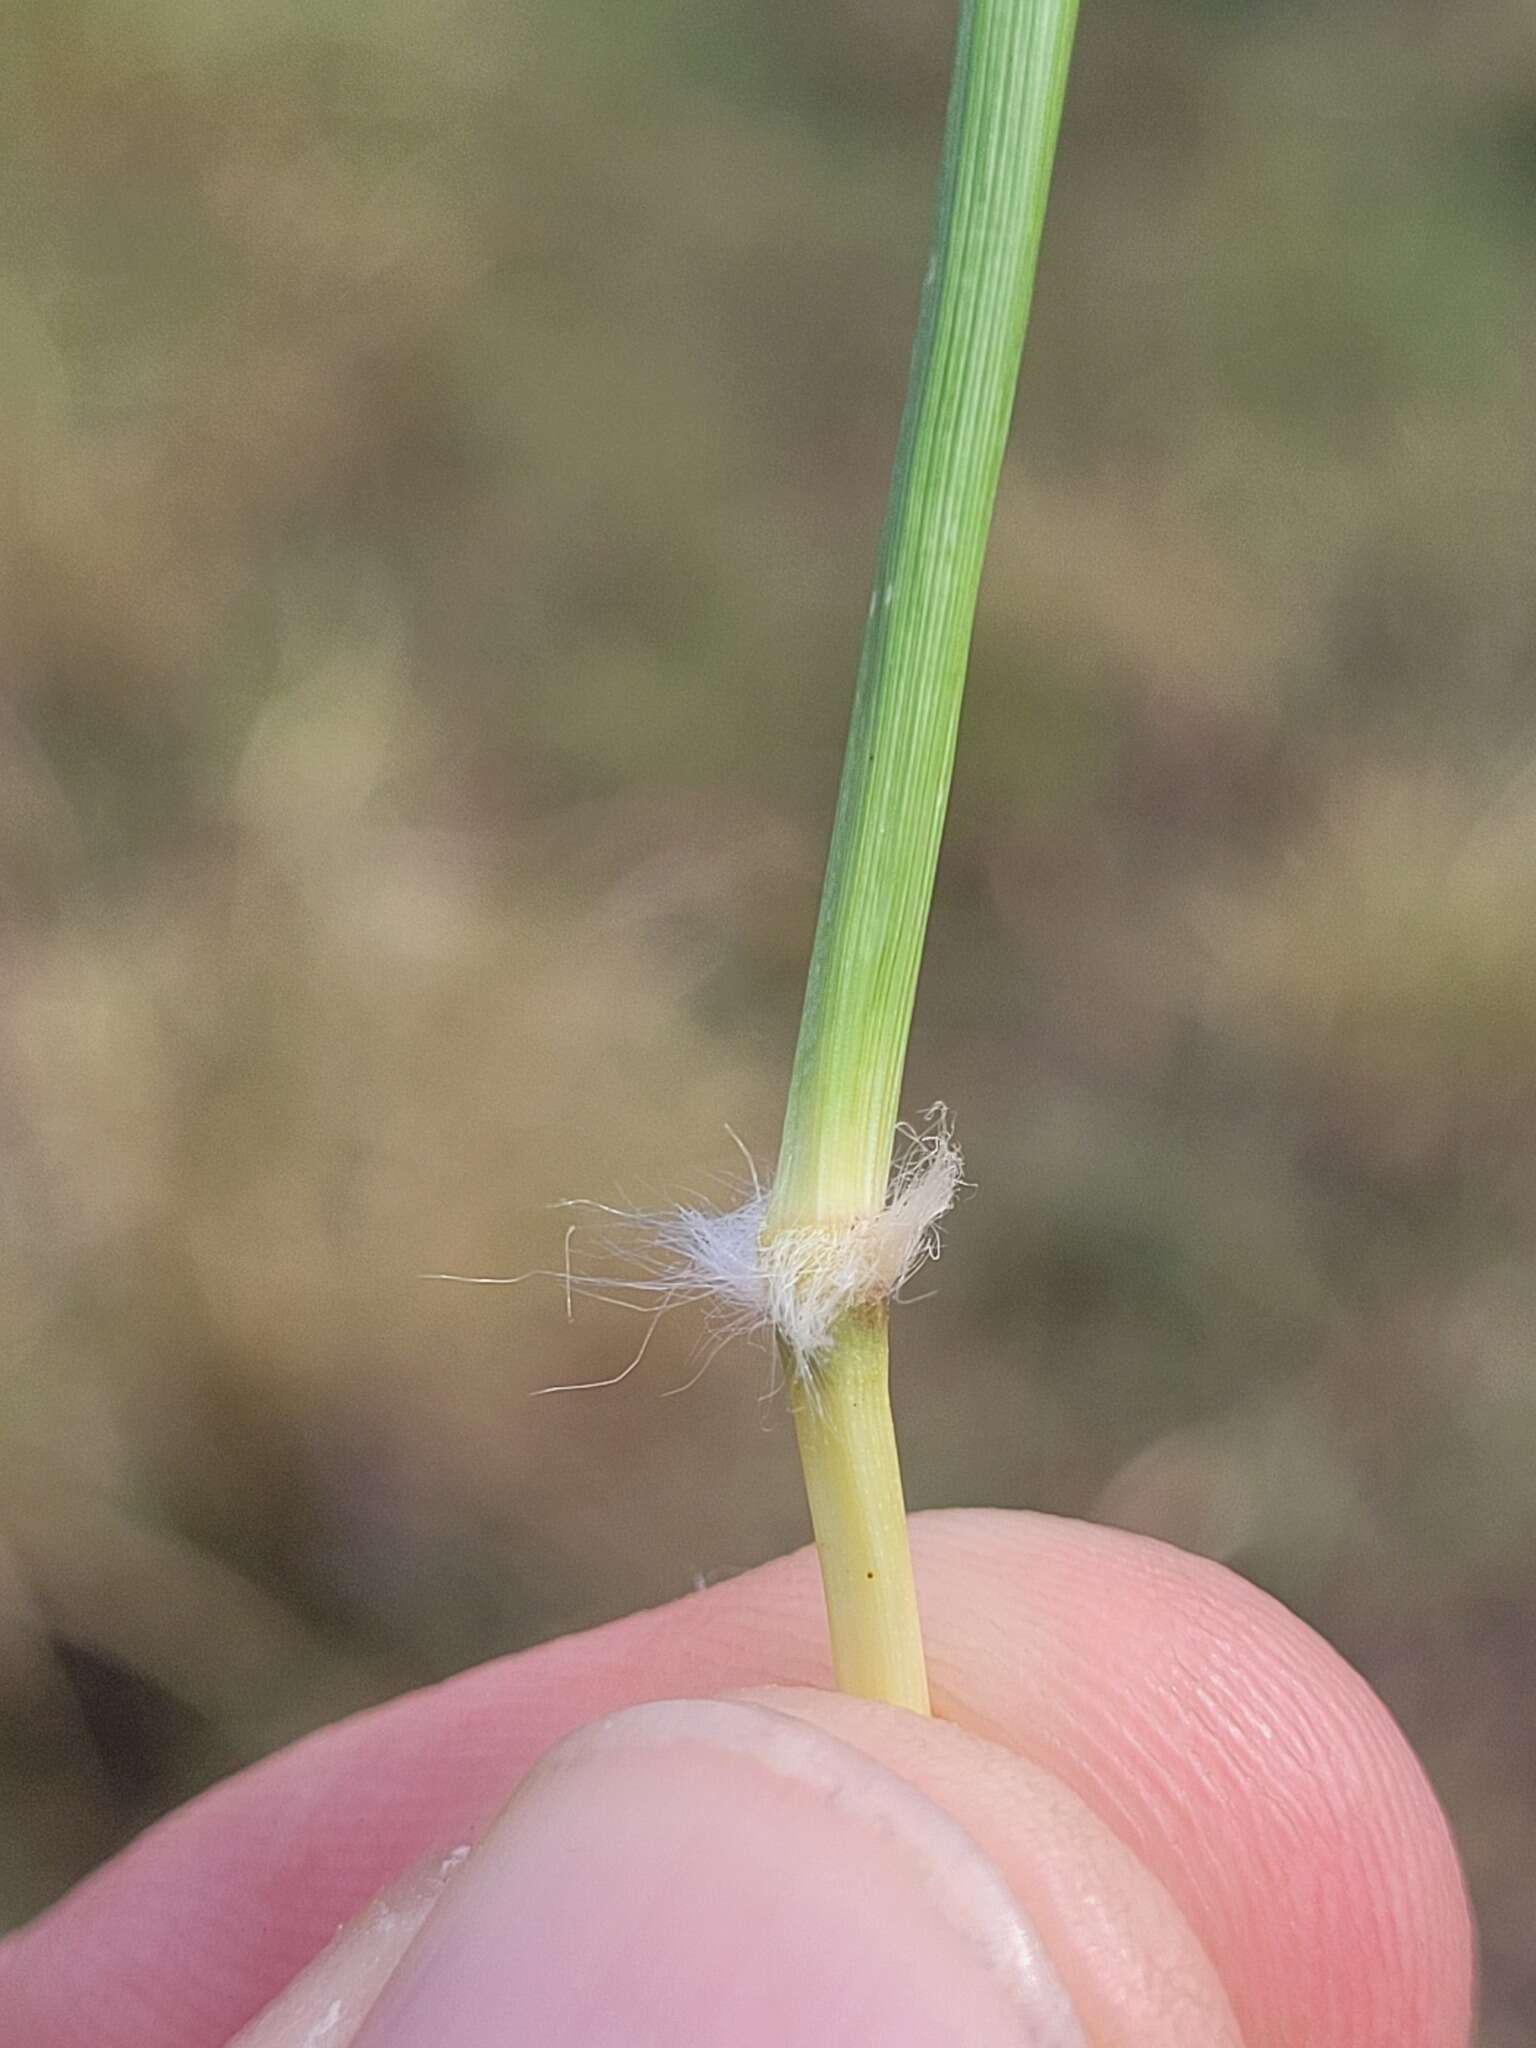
{"x":834,"y":1166}
{"x":847,"y":1444}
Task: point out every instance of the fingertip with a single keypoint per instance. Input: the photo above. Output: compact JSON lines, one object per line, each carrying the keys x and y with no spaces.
{"x":1128,"y":1959}
{"x":1232,"y":1750}
{"x":700,"y":1872}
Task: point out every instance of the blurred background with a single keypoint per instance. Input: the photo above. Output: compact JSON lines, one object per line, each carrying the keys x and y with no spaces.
{"x":446,"y":446}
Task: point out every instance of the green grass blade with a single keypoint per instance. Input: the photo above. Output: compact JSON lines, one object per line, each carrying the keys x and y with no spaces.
{"x":1004,"y":112}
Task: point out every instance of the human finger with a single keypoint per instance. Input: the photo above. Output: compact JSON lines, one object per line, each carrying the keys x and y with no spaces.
{"x":1242,"y":1764}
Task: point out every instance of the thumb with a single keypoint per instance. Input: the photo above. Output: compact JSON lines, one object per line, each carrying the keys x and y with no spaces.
{"x":790,"y":1867}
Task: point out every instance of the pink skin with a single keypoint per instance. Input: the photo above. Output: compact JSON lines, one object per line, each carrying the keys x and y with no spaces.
{"x":1163,"y":1813}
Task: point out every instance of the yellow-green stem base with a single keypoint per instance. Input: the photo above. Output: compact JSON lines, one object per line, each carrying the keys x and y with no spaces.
{"x":853,"y":1482}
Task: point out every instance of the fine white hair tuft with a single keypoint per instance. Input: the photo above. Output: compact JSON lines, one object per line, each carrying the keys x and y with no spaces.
{"x":797,"y":1282}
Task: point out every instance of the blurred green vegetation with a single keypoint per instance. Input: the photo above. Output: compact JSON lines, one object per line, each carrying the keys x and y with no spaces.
{"x":446,"y":446}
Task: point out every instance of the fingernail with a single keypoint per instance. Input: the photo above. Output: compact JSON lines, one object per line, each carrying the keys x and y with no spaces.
{"x":704,"y":1872}
{"x":324,"y":2005}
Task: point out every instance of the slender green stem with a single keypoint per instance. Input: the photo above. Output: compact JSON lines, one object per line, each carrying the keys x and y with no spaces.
{"x":834,"y":1166}
{"x":1004,"y":110}
{"x":853,"y":1482}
